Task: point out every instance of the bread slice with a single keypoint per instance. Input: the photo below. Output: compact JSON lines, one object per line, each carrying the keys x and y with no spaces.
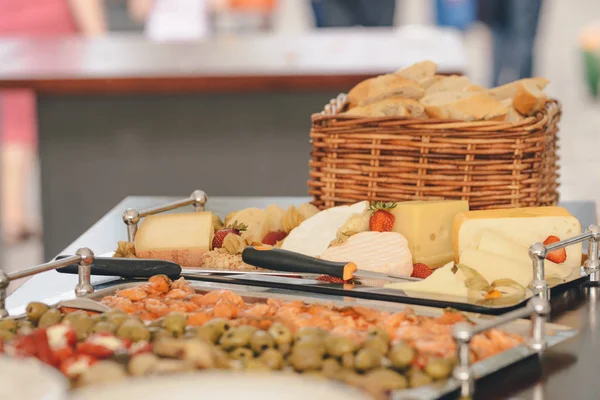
{"x":418,"y":72}
{"x":391,"y":106}
{"x":509,"y":90}
{"x":529,"y":98}
{"x":474,"y":88}
{"x":453,"y":83}
{"x":380,"y":87}
{"x":513,"y":116}
{"x":463,"y":106}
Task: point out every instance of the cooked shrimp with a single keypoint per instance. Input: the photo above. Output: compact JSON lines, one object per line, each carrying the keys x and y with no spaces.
{"x":159,"y":284}
{"x":451,"y":318}
{"x":441,"y":346}
{"x":226,"y":309}
{"x":483,"y":347}
{"x":134,"y":293}
{"x":184,"y":285}
{"x":197,"y":299}
{"x":125,"y":305}
{"x":199,"y":318}
{"x":503,"y":340}
{"x":156,"y":307}
{"x":146,"y":316}
{"x":176,"y":294}
{"x":260,"y":310}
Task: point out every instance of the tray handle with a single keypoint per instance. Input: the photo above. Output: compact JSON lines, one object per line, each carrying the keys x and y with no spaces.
{"x":538,"y":308}
{"x":131,"y":217}
{"x":539,"y":251}
{"x":84,"y":257}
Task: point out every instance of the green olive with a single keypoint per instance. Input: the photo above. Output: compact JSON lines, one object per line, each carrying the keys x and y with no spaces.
{"x":385,"y":380}
{"x":175,"y":323}
{"x":242,"y":353}
{"x":222,"y":360}
{"x":6,"y":335}
{"x":236,"y":337}
{"x":117,"y":317}
{"x":284,"y":348}
{"x":156,"y":323}
{"x":51,"y":317}
{"x":330,"y":367}
{"x":133,"y":330}
{"x":9,"y":324}
{"x":337,"y":346}
{"x":316,"y":342}
{"x":75,"y":316}
{"x":401,"y":355}
{"x":418,"y":378}
{"x":281,"y":333}
{"x":104,"y":327}
{"x":306,"y":358}
{"x":348,"y":361}
{"x":377,"y":344}
{"x":367,"y":359}
{"x":310,"y":331}
{"x":35,"y":310}
{"x":159,"y":333}
{"x":261,"y":341}
{"x":351,"y":378}
{"x":82,"y":324}
{"x":378,"y":333}
{"x":438,"y":368}
{"x":220,"y":325}
{"x":272,"y":358}
{"x":25,"y":327}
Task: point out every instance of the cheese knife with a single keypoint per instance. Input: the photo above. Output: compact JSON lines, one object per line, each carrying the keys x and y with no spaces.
{"x":268,"y":257}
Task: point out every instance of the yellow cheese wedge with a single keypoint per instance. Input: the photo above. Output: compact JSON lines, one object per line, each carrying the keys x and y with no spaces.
{"x":524,"y":226}
{"x":492,"y":266}
{"x":428,"y":227}
{"x":502,"y":246}
{"x":181,"y":238}
{"x":257,"y":222}
{"x":441,"y":282}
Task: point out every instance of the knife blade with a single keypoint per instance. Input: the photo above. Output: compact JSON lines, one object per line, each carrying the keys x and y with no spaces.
{"x":268,"y":257}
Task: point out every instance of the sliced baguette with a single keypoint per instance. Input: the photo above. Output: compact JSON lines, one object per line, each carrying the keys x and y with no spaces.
{"x":371,"y":90}
{"x":529,"y":98}
{"x":509,"y":90}
{"x":453,"y":83}
{"x":463,"y":106}
{"x":474,"y":88}
{"x":391,"y":106}
{"x":418,"y":72}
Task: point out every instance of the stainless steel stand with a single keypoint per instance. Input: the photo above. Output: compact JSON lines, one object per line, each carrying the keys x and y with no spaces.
{"x":132,"y":217}
{"x":84,"y":257}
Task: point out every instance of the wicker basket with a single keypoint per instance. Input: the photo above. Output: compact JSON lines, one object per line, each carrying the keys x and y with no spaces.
{"x":489,"y":163}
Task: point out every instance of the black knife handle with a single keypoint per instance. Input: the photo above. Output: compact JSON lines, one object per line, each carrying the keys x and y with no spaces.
{"x":126,"y":267}
{"x":268,"y":257}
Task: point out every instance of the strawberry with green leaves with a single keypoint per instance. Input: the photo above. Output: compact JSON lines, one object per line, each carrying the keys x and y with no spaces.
{"x":382,"y":220}
{"x":220,"y":235}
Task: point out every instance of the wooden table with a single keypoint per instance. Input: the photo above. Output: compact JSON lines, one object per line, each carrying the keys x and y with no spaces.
{"x":121,"y":115}
{"x":567,"y":371}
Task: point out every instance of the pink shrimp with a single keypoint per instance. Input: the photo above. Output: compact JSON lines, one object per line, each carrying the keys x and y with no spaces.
{"x":177,"y":294}
{"x":184,"y":285}
{"x":134,"y":293}
{"x":156,"y":307}
{"x":226,"y":309}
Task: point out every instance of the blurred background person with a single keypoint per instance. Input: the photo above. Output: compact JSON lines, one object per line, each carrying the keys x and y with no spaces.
{"x":18,"y":127}
{"x":348,"y":13}
{"x":514,"y":25}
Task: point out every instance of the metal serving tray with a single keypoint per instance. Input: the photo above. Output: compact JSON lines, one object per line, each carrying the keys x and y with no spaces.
{"x":538,"y":287}
{"x":548,"y":334}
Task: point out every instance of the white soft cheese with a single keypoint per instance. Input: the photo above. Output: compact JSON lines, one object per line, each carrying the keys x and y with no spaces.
{"x":313,"y":236}
{"x":57,"y":336}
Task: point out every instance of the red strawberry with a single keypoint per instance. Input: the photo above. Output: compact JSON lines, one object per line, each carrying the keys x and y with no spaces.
{"x":220,"y":235}
{"x":382,"y":220}
{"x":273,"y":237}
{"x":71,"y":367}
{"x":421,"y":271}
{"x":556,"y":256}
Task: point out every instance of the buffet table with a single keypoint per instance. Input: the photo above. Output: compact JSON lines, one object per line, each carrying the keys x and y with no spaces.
{"x":122,"y":115}
{"x":565,"y":371}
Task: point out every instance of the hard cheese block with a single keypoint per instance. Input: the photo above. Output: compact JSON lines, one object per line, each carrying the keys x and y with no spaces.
{"x":493,"y":266}
{"x":428,"y":227}
{"x":524,"y":226}
{"x":441,"y":282}
{"x":181,"y":238}
{"x":503,"y":246}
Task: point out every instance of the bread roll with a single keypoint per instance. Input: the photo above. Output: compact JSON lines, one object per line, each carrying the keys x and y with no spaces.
{"x":509,"y":90}
{"x":463,"y":106}
{"x":513,"y":116}
{"x":454,"y":83}
{"x":529,"y":98}
{"x":474,"y":88}
{"x":390,"y":107}
{"x":371,"y":90}
{"x":418,"y":72}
